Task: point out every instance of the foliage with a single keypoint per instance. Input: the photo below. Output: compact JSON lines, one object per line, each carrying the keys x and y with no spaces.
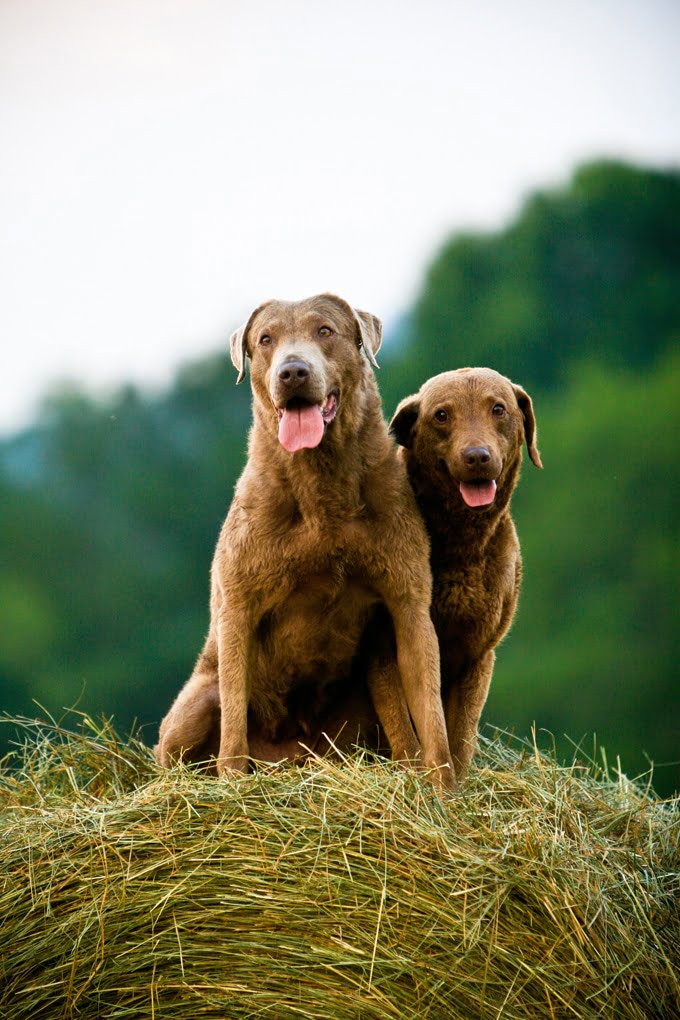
{"x":596,"y":636}
{"x":109,"y":509}
{"x":592,"y":269}
{"x":338,"y":890}
{"x":111,"y":516}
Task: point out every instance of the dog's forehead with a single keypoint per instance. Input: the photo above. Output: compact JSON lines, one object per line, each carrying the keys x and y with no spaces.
{"x":466,"y":384}
{"x":325,"y":306}
{"x":273,"y":315}
{"x":292,"y":316}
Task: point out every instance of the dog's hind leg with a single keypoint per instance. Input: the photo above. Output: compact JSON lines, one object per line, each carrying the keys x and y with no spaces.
{"x":191,"y":729}
{"x":389,"y":701}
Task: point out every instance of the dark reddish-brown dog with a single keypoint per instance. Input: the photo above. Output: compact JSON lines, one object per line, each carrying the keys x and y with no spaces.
{"x":322,"y":535}
{"x":462,"y":436}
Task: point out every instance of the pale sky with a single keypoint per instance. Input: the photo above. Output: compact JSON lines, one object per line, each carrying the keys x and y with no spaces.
{"x":165,"y":165}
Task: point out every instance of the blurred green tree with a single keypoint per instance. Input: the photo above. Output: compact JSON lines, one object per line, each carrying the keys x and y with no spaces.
{"x":590,"y":269}
{"x":595,"y":645}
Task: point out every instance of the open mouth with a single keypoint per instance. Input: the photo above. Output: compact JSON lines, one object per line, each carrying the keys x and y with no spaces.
{"x":302,"y":424}
{"x":480,"y":492}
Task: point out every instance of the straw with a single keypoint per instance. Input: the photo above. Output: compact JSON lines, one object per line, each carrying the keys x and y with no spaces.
{"x":347,"y":888}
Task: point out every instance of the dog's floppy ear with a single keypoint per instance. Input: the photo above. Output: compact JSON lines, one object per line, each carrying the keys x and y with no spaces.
{"x":405,"y":417}
{"x":370,"y":330}
{"x":527,"y":409}
{"x":239,"y":344}
{"x":239,"y":350}
{"x":369,"y":326}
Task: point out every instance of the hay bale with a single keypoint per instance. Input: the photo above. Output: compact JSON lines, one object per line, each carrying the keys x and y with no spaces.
{"x":338,"y":890}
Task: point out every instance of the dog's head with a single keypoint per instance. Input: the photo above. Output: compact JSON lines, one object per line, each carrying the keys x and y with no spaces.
{"x":306,"y":360}
{"x":465,"y":429}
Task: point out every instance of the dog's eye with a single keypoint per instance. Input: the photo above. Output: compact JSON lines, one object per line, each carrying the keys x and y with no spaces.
{"x":325,"y":331}
{"x":265,"y":340}
{"x":441,"y":415}
{"x":498,"y":410}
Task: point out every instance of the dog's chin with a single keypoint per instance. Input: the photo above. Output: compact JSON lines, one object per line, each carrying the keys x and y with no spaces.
{"x":303,"y":424}
{"x":478,"y":493}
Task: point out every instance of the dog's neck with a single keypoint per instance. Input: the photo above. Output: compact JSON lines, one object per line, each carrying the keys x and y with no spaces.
{"x":329,"y":481}
{"x":459,"y":534}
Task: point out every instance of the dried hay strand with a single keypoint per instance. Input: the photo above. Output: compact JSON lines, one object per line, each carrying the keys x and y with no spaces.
{"x":342,"y":889}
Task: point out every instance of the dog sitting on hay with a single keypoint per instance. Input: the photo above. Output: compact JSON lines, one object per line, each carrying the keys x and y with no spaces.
{"x":323,"y":538}
{"x":324,"y":557}
{"x":462,"y":436}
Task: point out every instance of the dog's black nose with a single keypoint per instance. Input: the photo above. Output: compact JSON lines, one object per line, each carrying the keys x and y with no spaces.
{"x":293,"y":373}
{"x":476,"y":456}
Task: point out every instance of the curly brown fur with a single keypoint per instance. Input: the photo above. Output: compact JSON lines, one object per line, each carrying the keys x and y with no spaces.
{"x":323,"y":531}
{"x":462,"y":436}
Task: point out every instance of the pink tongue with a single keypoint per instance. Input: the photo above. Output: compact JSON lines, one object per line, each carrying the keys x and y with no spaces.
{"x":300,"y":428}
{"x":478,"y":493}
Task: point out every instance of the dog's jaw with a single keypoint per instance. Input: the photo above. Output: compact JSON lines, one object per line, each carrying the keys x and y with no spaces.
{"x":302,"y":425}
{"x":330,"y":408}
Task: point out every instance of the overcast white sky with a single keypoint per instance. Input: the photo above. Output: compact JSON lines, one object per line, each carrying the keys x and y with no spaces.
{"x":167,"y":164}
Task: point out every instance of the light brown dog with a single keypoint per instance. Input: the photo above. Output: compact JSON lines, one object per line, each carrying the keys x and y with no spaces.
{"x":323,"y":534}
{"x":462,"y":436}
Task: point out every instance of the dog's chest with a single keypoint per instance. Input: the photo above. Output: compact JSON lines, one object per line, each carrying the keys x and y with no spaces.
{"x":470,"y":605}
{"x":316,"y":611}
{"x":320,"y":597}
{"x":319,"y":557}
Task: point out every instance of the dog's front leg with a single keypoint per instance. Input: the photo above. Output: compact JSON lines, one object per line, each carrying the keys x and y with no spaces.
{"x":418,"y":659}
{"x":234,"y":643}
{"x":464,"y":704}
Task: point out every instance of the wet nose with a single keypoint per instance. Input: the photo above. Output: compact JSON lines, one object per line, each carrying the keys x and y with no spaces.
{"x":293,"y":373}
{"x":476,"y":456}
